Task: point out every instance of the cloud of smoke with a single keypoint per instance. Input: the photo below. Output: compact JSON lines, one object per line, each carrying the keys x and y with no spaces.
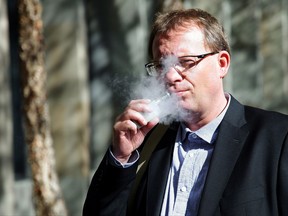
{"x":168,"y":110}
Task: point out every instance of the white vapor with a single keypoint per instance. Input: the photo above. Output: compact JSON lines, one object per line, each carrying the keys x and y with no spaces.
{"x":154,"y":88}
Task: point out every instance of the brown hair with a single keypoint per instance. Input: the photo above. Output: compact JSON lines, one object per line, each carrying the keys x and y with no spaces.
{"x":213,"y":31}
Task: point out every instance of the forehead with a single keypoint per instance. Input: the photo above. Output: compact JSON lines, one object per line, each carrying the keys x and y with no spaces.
{"x":179,"y":42}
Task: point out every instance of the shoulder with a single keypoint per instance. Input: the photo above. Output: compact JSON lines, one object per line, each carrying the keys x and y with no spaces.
{"x":262,"y":115}
{"x":256,"y":118}
{"x":269,"y":121}
{"x":237,"y":112}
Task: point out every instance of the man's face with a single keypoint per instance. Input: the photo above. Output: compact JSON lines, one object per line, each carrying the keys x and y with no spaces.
{"x":199,"y":86}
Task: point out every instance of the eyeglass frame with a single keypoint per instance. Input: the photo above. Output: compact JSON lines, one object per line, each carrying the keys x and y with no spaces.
{"x":200,"y":58}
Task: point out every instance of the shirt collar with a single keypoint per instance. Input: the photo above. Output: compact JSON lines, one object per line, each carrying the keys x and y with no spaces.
{"x":207,"y":131}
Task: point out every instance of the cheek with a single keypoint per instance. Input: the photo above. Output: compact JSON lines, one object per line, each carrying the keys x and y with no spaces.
{"x":209,"y":73}
{"x":198,"y":78}
{"x":205,"y":75}
{"x":204,"y":81}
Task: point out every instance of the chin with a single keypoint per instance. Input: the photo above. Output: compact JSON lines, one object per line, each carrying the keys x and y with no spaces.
{"x":185,"y":105}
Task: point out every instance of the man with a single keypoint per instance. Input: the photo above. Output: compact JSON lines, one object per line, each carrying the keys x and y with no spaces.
{"x":223,"y":158}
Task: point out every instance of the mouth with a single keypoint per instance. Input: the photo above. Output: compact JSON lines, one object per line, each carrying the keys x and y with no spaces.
{"x":179,"y":92}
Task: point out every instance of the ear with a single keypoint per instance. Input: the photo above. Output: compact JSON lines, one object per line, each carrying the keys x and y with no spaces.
{"x":224,"y":63}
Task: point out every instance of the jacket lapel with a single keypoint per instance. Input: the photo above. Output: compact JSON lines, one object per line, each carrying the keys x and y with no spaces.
{"x":158,"y":171}
{"x":232,"y":135}
{"x":231,"y":138}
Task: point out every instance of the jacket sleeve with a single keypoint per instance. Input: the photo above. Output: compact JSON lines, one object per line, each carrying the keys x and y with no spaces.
{"x":109,"y":190}
{"x":283,"y":179}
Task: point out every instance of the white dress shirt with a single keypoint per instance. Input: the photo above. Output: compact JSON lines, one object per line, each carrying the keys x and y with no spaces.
{"x":190,"y":164}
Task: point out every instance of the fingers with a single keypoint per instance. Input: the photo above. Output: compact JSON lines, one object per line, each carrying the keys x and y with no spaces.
{"x":125,"y":125}
{"x":131,"y":128}
{"x":132,"y":117}
{"x":139,"y":106}
{"x":145,"y":129}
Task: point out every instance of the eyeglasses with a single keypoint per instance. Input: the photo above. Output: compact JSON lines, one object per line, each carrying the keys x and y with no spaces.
{"x":181,"y":64}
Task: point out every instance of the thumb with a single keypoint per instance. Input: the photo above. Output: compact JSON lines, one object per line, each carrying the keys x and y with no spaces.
{"x":145,"y":129}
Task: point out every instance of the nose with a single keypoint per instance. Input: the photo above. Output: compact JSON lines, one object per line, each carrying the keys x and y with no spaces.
{"x":173,"y":74}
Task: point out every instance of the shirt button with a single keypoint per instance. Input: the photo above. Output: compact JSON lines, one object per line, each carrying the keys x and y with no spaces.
{"x":183,"y":189}
{"x":194,"y":135}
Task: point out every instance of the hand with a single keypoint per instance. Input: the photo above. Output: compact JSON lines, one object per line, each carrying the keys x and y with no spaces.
{"x":126,"y":135}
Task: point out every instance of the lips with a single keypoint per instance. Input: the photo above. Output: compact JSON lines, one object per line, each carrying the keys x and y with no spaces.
{"x":179,"y":92}
{"x":178,"y":89}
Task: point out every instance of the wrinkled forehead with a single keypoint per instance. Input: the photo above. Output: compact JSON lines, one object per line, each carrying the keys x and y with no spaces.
{"x":178,"y":42}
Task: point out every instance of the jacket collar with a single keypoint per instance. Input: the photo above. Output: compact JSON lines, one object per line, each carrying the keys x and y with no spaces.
{"x":231,"y":138}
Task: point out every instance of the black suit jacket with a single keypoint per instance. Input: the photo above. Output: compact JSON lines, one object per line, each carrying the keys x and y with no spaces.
{"x":248,"y":174}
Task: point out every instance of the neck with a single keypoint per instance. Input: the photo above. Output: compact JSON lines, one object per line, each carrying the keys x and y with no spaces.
{"x":199,"y":119}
